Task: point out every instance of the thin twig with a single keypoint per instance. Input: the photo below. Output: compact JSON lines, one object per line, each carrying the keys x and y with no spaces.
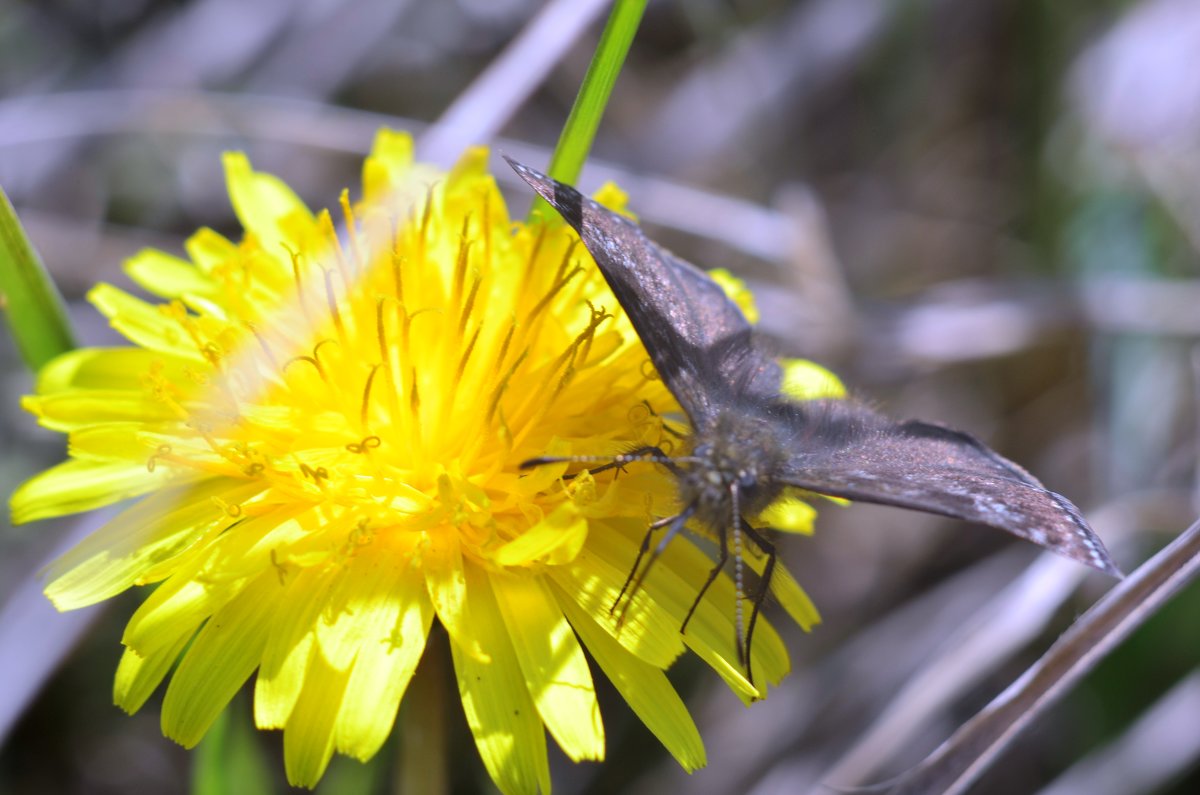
{"x":977,"y":743}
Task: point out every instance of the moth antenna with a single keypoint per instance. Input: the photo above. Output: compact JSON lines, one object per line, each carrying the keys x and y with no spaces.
{"x":649,"y":453}
{"x":739,"y":591}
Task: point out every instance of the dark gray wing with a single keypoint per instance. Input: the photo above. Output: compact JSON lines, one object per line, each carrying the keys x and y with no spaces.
{"x":698,"y":339}
{"x":842,"y":449}
{"x":703,"y":349}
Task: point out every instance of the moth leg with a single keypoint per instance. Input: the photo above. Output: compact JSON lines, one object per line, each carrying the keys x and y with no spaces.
{"x":712,"y":576}
{"x":634,"y":581}
{"x":764,"y":586}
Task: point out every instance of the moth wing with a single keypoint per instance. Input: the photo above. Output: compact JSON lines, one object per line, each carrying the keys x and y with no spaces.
{"x":856,"y":454}
{"x":700,"y":342}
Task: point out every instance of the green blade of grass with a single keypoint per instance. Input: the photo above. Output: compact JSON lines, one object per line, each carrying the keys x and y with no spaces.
{"x":580,"y":129}
{"x":229,"y":758}
{"x":31,"y":302}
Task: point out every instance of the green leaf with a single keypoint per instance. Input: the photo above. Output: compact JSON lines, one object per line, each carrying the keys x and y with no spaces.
{"x":31,"y":302}
{"x":347,"y":776}
{"x":230,"y":757}
{"x":580,"y":129}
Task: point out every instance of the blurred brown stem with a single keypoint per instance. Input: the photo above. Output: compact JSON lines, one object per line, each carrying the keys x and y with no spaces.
{"x":423,"y":753}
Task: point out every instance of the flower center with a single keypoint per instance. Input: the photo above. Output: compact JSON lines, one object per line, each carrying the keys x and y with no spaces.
{"x":395,"y":383}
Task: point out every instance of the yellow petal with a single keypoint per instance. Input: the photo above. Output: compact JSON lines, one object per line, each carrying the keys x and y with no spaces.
{"x":112,"y":441}
{"x":361,"y":609}
{"x":75,"y":486}
{"x":788,"y":592}
{"x":499,"y":709}
{"x":794,"y":600}
{"x":611,"y":196}
{"x":673,"y":584}
{"x":76,"y":408}
{"x":471,"y":165}
{"x":555,"y":669}
{"x":198,"y":588}
{"x":446,"y":580}
{"x":599,"y":574}
{"x":711,"y":632}
{"x":290,"y":642}
{"x":386,"y":661}
{"x":156,"y":529}
{"x":541,"y":478}
{"x":169,"y":277}
{"x":220,"y":660}
{"x":269,"y":210}
{"x":174,"y":610}
{"x":737,"y":292}
{"x":138,"y":676}
{"x":208,"y":250}
{"x":106,"y":368}
{"x":789,"y":515}
{"x":390,"y":160}
{"x":645,"y":688}
{"x":308,"y":737}
{"x":563,"y":531}
{"x":144,"y":324}
{"x":805,"y":380}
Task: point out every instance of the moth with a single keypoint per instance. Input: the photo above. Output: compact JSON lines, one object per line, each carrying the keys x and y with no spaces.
{"x":749,"y":443}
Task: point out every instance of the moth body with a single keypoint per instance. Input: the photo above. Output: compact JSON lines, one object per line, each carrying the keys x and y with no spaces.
{"x":736,"y":454}
{"x":750,"y":443}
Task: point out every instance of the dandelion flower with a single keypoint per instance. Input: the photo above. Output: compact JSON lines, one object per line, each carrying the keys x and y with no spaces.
{"x":325,"y":429}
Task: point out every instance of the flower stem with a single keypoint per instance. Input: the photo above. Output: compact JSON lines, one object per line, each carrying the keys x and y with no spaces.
{"x":30,"y":300}
{"x":424,"y":764}
{"x":580,"y":129}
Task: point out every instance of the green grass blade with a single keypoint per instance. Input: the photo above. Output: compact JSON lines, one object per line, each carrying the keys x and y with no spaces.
{"x":31,"y":302}
{"x":230,"y":758}
{"x":580,"y":129}
{"x":209,"y":757}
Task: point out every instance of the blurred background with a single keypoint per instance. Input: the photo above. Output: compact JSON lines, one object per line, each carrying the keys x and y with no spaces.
{"x":985,"y":214}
